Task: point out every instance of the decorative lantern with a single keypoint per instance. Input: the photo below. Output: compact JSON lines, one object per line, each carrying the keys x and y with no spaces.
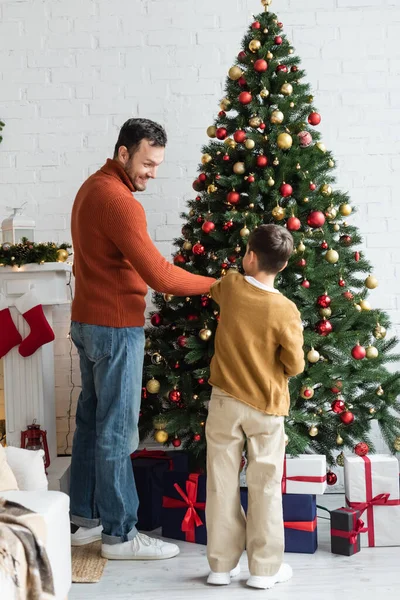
{"x":36,"y":439}
{"x":17,"y":226}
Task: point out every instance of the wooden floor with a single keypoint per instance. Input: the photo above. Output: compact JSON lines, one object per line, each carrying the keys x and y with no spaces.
{"x":373,"y":574}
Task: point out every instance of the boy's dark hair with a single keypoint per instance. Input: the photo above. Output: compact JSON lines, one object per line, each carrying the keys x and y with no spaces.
{"x":135,"y":130}
{"x":273,"y":245}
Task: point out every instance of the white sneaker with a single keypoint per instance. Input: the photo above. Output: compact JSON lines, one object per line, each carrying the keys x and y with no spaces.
{"x":223,"y":578}
{"x":265,"y":583}
{"x":84,"y":535}
{"x":142,"y":547}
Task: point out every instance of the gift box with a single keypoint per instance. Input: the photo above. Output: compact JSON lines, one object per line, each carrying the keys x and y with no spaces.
{"x":372,"y":488}
{"x":304,"y":474}
{"x":183,"y":507}
{"x":346,"y":527}
{"x":149,"y":468}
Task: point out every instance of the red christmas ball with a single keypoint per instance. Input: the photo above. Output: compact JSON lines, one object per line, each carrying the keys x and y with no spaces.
{"x":313,"y":187}
{"x":227,"y":226}
{"x":324,"y":245}
{"x":337,"y":387}
{"x":202,"y":177}
{"x":262,"y":161}
{"x":316,"y":218}
{"x":301,"y":263}
{"x":357,"y":256}
{"x":174,"y":396}
{"x":281,"y":69}
{"x":314,"y":118}
{"x":198,"y":249}
{"x":345,"y":240}
{"x":208,"y":226}
{"x":232,"y":258}
{"x":262,"y":126}
{"x":196,"y":185}
{"x":308,"y":393}
{"x":305,"y":139}
{"x":242,"y":56}
{"x":176,"y":442}
{"x":176,"y":365}
{"x":293,"y":224}
{"x":348,"y":295}
{"x":179,"y":259}
{"x":193,"y":317}
{"x":182,"y":341}
{"x":361,"y":449}
{"x":242,"y":81}
{"x":256,"y":25}
{"x":286,"y":190}
{"x":196,"y":437}
{"x":280,"y":25}
{"x":205,"y":300}
{"x":324,"y":301}
{"x":233,"y":197}
{"x":342,"y":282}
{"x":156,"y":320}
{"x":324,"y":327}
{"x":305,"y":283}
{"x":198,"y":198}
{"x":222,"y":113}
{"x":226,"y":157}
{"x":260,"y":65}
{"x":358,"y":352}
{"x":218,"y":176}
{"x":224,"y":265}
{"x":239,"y":136}
{"x":201,"y":381}
{"x":200,"y":219}
{"x":331,"y":478}
{"x":278,"y":40}
{"x":221,"y":133}
{"x":347,"y":417}
{"x":251,"y":179}
{"x":245,"y":98}
{"x":294,"y":69}
{"x":338,"y":406}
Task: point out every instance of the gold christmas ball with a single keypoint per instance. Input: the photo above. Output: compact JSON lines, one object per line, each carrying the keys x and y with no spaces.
{"x":340,"y":460}
{"x":292,"y":105}
{"x":264,"y":93}
{"x":379,"y":391}
{"x":379,"y":332}
{"x":345,"y":210}
{"x":205,"y":334}
{"x":291,"y":51}
{"x":331,"y":212}
{"x":239,"y":168}
{"x":372,"y":352}
{"x":371,"y":282}
{"x":396,"y":444}
{"x":161,"y":436}
{"x":168,"y":297}
{"x":237,"y":248}
{"x":339,"y":440}
{"x":275,"y":162}
{"x":187,"y":246}
{"x":372,"y":411}
{"x":310,"y":99}
{"x":336,"y":227}
{"x":251,"y":205}
{"x":244,"y":232}
{"x":153,"y":386}
{"x":254,"y":46}
{"x":305,"y":200}
{"x":278,"y":213}
{"x":270,"y":182}
{"x":277,"y":117}
{"x":306,"y":392}
{"x":269,"y":55}
{"x":211,"y":188}
{"x":235,"y":73}
{"x":331,"y":163}
{"x":255,"y":122}
{"x":230,"y":143}
{"x":365,"y":305}
{"x":301,"y":247}
{"x":313,"y":356}
{"x":212,"y":131}
{"x":358,"y":307}
{"x":287,"y":89}
{"x":284,"y":141}
{"x":147,"y":344}
{"x":62,"y":255}
{"x":326,"y":189}
{"x":321,"y":147}
{"x":156,"y":358}
{"x":249,"y":144}
{"x":192,"y":213}
{"x":225,"y":104}
{"x":206,"y":158}
{"x":298,"y":166}
{"x":332,"y":256}
{"x":325,"y":312}
{"x":313,"y":431}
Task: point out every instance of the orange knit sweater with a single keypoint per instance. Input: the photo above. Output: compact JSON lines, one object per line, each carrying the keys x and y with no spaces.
{"x":114,"y":257}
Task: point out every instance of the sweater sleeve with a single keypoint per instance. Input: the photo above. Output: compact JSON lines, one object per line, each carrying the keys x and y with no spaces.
{"x":125,"y":224}
{"x":292,"y":354}
{"x":215,"y":291}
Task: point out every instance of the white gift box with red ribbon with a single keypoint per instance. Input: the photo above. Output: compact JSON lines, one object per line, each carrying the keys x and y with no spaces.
{"x":304,"y":474}
{"x":372,"y":487}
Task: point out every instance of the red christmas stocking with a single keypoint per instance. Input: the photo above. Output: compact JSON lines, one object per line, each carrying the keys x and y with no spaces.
{"x":41,"y":332}
{"x":9,"y":334}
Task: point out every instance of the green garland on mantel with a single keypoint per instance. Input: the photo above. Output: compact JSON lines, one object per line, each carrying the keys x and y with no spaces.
{"x":25,"y":253}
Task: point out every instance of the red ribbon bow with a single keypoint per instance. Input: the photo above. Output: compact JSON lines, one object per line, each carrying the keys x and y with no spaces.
{"x":304,"y":478}
{"x":155,"y":454}
{"x":191,"y":520}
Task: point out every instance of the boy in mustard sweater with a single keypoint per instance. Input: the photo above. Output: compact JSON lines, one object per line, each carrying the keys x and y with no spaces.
{"x":259,"y":344}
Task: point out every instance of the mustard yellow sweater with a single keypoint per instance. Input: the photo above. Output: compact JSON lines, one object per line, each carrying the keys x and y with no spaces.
{"x":259,"y":344}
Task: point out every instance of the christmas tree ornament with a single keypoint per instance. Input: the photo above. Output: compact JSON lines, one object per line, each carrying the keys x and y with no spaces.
{"x":305,"y":283}
{"x":153,"y":386}
{"x":255,"y":122}
{"x":254,"y":46}
{"x":313,"y":356}
{"x":176,"y":442}
{"x":340,"y":459}
{"x":235,"y":73}
{"x":306,"y":392}
{"x":358,"y":307}
{"x":324,"y":301}
{"x":279,"y":213}
{"x":284,"y":141}
{"x":372,"y":352}
{"x":260,"y":65}
{"x":233,"y":197}
{"x":365,"y":305}
{"x":292,"y":105}
{"x":225,"y":104}
{"x":187,"y":246}
{"x":301,"y":263}
{"x":287,"y":89}
{"x":62,"y":255}
{"x":338,"y":406}
{"x":264,"y":93}
{"x":199,"y":219}
{"x":379,"y":391}
{"x":316,"y":219}
{"x":270,"y":182}
{"x":245,"y":98}
{"x":361,"y":449}
{"x":230,"y":143}
{"x":348,"y":295}
{"x":298,"y":166}
{"x":286,"y":190}
{"x":326,"y":189}
{"x":156,"y":320}
{"x":301,"y":247}
{"x":206,"y":158}
{"x":294,"y":69}
{"x":331,"y":212}
{"x":281,"y":69}
{"x":160,"y":422}
{"x":324,"y":245}
{"x":345,"y":210}
{"x":278,"y":40}
{"x":324,"y":327}
{"x":174,"y":395}
{"x":331,"y":163}
{"x":161,"y":436}
{"x":293,"y":224}
{"x":239,"y":136}
{"x":208,"y":226}
{"x":198,"y":249}
{"x":147,"y":344}
{"x":372,"y":411}
{"x":314,"y":118}
{"x":156,"y":358}
{"x":358,"y":352}
{"x":325,"y":312}
{"x":262,"y":161}
{"x":212,"y":131}
{"x":321,"y":147}
{"x":249,"y":144}
{"x":357,"y":256}
{"x":256,"y":25}
{"x":182,"y":341}
{"x":251,"y":179}
{"x":379,"y":332}
{"x":332,"y":257}
{"x":221,"y":133}
{"x":312,"y":186}
{"x":336,"y":227}
{"x":339,"y":440}
{"x":202,"y":177}
{"x":242,"y":81}
{"x":244,"y":232}
{"x":313,"y":431}
{"x":222,"y":113}
{"x":275,"y":162}
{"x":305,"y":139}
{"x":239,"y":168}
{"x":226,"y":157}
{"x":331,"y":478}
{"x":205,"y":334}
{"x":227,"y":226}
{"x":345,"y":240}
{"x":205,"y":299}
{"x":371,"y":282}
{"x":341,"y":282}
{"x":347,"y":417}
{"x":242,"y":56}
{"x":396,"y":444}
{"x":277,"y":117}
{"x":196,"y":437}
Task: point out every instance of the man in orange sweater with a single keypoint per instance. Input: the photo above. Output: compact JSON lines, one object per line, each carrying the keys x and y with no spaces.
{"x":114,"y":262}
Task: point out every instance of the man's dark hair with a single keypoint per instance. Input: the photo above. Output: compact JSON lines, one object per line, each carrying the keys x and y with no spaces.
{"x":135,"y":130}
{"x":273,"y":245}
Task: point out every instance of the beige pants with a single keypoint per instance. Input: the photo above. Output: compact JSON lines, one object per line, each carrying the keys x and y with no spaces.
{"x":228,"y":532}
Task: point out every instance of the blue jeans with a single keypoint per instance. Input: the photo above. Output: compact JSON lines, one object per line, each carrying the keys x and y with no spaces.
{"x":103,"y":488}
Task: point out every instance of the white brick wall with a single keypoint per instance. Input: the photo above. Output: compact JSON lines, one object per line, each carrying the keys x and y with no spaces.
{"x":71,"y":72}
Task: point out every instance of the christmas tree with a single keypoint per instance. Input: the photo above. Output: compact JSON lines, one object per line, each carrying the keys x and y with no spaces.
{"x":266,"y":163}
